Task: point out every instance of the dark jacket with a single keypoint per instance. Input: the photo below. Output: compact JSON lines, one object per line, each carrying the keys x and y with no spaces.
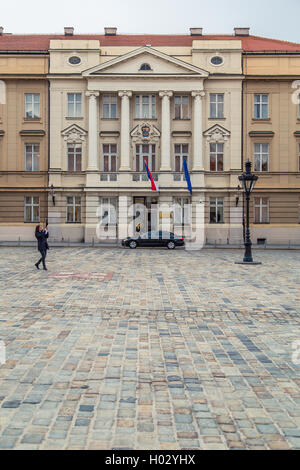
{"x":42,"y":240}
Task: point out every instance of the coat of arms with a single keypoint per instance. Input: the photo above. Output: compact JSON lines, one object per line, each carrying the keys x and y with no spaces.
{"x":146,"y":131}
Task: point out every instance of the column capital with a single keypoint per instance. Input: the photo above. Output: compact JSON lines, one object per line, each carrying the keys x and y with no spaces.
{"x":92,"y":93}
{"x":125,"y":93}
{"x":199,"y":93}
{"x":168,"y":94}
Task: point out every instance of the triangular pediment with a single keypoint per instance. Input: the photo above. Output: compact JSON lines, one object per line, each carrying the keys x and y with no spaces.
{"x":216,"y":133}
{"x":160,"y":64}
{"x":74,"y":133}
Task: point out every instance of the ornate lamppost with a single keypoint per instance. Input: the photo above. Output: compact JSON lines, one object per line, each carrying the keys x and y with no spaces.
{"x":248,"y":181}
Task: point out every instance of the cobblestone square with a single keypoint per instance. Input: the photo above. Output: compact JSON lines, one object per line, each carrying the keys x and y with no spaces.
{"x":149,"y":349}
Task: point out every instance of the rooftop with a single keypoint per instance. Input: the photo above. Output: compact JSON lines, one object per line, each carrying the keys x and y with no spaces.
{"x":41,"y":42}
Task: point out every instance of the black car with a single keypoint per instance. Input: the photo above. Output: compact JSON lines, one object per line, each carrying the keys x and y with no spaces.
{"x":156,"y":238}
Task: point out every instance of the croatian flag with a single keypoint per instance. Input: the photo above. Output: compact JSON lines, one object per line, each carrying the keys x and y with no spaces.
{"x":154,"y":186}
{"x":187,"y":176}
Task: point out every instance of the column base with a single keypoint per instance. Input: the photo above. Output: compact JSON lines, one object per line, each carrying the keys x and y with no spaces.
{"x":165,"y":168}
{"x":198,"y":168}
{"x":125,"y":168}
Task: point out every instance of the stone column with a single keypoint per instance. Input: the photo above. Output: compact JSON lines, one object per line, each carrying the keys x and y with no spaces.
{"x":93,"y":163}
{"x":198,"y":130}
{"x":125,"y":130}
{"x":165,"y":131}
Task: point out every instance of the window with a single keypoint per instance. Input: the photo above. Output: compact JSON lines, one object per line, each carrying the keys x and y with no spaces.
{"x":181,"y":152}
{"x":74,"y":157}
{"x":216,"y":156}
{"x":109,"y":157}
{"x":32,"y":105}
{"x":181,"y":106}
{"x":31,"y":209}
{"x":109,"y":209}
{"x":145,"y":67}
{"x":74,"y":105}
{"x":73,"y":209}
{"x":216,"y":105}
{"x":216,"y":60}
{"x":261,"y":210}
{"x":181,"y":211}
{"x":109,"y":106}
{"x":32,"y":157}
{"x":261,"y":157}
{"x":261,"y":106}
{"x":74,"y":60}
{"x":216,"y":210}
{"x":145,"y":107}
{"x":145,"y":152}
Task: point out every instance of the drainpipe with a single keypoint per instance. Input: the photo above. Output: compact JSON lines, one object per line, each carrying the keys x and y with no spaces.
{"x":48,"y":138}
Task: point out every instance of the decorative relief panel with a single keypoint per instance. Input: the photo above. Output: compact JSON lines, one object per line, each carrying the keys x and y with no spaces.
{"x":74,"y":134}
{"x":217,"y":133}
{"x":145,"y":133}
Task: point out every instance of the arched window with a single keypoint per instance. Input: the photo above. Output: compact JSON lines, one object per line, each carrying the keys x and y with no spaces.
{"x":145,"y":67}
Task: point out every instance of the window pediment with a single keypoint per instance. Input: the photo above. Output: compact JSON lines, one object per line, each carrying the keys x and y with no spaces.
{"x":74,"y":134}
{"x":217,"y":133}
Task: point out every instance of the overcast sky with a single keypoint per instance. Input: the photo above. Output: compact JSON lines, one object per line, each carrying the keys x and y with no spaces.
{"x":270,"y":18}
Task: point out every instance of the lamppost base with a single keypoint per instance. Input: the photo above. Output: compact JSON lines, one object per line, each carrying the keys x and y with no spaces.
{"x":248,"y":262}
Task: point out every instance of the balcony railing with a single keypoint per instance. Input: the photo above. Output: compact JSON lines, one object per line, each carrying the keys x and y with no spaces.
{"x":140,"y":176}
{"x":143,"y":177}
{"x":108,"y":177}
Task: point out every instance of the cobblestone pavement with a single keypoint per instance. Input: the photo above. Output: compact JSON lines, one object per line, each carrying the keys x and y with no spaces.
{"x":149,"y":349}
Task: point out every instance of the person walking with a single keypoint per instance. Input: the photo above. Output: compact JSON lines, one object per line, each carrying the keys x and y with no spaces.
{"x":41,"y":236}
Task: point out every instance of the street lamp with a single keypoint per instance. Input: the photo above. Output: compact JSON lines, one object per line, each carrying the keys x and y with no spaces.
{"x":248,"y":181}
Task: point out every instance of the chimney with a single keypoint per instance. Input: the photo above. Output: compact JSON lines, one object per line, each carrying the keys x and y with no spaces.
{"x":110,"y":31}
{"x":241,"y":31}
{"x":1,"y":30}
{"x":69,"y":31}
{"x":196,"y":31}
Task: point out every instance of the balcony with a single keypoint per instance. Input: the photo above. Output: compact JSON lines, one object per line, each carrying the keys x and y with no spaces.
{"x":140,"y":180}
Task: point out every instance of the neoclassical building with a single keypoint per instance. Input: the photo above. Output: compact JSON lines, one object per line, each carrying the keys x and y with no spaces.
{"x":24,"y":137}
{"x":117,"y":101}
{"x":271,"y":123}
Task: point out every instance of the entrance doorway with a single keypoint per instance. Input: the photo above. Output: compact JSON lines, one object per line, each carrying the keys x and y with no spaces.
{"x":146,"y":214}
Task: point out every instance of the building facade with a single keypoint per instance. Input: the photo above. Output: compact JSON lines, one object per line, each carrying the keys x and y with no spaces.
{"x":272,"y":141}
{"x":84,"y":112}
{"x":114,"y":106}
{"x":23,"y":142}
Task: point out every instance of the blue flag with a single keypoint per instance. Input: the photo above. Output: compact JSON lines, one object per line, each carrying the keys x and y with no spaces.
{"x":187,"y":176}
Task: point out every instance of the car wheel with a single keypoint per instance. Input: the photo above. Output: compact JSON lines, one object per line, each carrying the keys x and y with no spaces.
{"x":171,"y":245}
{"x":133,"y":244}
